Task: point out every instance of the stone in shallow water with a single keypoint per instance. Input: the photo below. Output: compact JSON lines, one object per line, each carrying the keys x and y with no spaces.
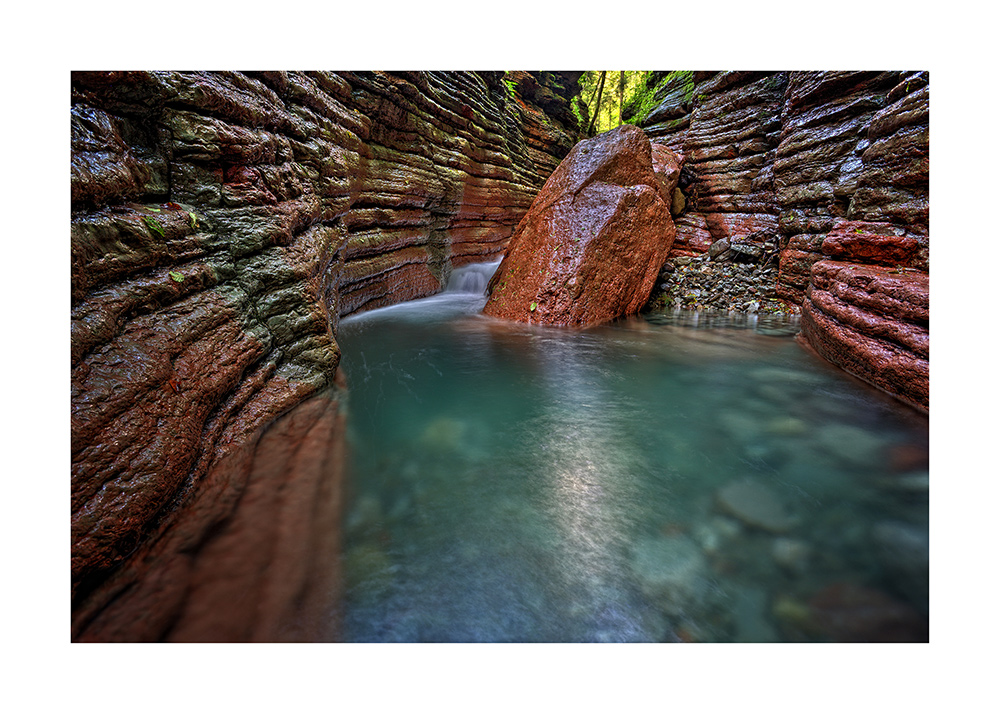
{"x":367,"y":567}
{"x":443,"y":434}
{"x":786,"y":426}
{"x":671,"y":571}
{"x":903,"y":550}
{"x":713,"y":534}
{"x":852,"y":445}
{"x":791,"y":554}
{"x":756,"y":505}
{"x":366,"y":515}
{"x":911,"y":483}
{"x":750,"y":616}
{"x":847,"y":612}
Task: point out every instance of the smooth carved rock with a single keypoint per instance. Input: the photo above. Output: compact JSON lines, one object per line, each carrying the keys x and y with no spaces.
{"x":592,"y":243}
{"x":251,"y":556}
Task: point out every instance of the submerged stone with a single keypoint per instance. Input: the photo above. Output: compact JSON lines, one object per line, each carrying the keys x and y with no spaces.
{"x":846,"y":612}
{"x":755,"y":505}
{"x":672,"y":572}
{"x":750,"y":617}
{"x":791,"y":554}
{"x":903,"y":551}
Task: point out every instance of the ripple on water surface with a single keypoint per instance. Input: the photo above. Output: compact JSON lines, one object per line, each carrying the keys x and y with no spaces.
{"x":679,"y":477}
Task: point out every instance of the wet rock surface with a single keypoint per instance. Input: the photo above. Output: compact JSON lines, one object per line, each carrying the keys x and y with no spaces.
{"x":834,"y":166}
{"x":592,"y":243}
{"x":222,"y":222}
{"x":248,"y":556}
{"x":873,"y":322}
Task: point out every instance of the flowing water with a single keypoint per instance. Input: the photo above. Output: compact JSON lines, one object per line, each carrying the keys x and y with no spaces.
{"x":671,"y":477}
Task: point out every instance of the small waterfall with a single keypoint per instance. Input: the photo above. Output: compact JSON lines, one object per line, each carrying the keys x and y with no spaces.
{"x":472,"y":278}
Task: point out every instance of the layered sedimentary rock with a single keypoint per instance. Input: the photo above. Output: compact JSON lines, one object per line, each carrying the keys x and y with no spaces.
{"x":836,"y":163}
{"x":866,"y":302}
{"x":872,"y":321}
{"x":592,"y":243}
{"x":831,"y":169}
{"x":222,"y":223}
{"x":727,"y":126}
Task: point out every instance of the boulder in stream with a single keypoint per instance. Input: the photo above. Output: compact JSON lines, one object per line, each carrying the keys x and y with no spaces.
{"x":755,"y":505}
{"x":593,"y":242}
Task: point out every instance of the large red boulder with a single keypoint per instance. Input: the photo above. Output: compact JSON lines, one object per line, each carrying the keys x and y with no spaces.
{"x":591,"y":245}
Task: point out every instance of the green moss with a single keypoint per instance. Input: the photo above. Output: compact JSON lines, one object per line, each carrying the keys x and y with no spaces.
{"x":641,"y":101}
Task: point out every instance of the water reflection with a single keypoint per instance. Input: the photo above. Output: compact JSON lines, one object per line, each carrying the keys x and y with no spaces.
{"x":517,"y":483}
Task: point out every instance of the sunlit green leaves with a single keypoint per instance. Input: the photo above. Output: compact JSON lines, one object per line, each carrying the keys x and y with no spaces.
{"x":621,"y":90}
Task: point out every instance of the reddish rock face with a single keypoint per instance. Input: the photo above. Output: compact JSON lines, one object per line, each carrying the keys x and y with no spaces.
{"x":221,"y":224}
{"x":592,"y":243}
{"x":667,"y":167}
{"x":873,"y":322}
{"x":251,"y":555}
{"x":880,"y":243}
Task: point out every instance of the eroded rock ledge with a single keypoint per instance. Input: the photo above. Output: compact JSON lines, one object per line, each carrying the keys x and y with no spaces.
{"x":222,"y":223}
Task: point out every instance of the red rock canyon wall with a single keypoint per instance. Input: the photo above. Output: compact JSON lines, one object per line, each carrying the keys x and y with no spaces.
{"x":833,"y":168}
{"x":222,"y":222}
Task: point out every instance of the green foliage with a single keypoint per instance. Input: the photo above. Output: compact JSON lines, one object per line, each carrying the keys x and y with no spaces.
{"x":194,"y":219}
{"x":176,"y":277}
{"x":154,"y":226}
{"x":579,"y":110}
{"x":511,"y":88}
{"x":642,"y":100}
{"x":627,"y":96}
{"x":533,"y":306}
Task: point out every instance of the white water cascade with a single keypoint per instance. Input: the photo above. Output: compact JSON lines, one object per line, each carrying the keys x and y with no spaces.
{"x":471,"y":278}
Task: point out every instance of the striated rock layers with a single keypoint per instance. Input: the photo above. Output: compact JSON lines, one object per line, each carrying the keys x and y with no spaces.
{"x":591,"y":246}
{"x":831,"y":170}
{"x":222,"y":223}
{"x":726,"y":126}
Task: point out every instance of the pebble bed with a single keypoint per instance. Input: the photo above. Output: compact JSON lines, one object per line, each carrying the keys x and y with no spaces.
{"x":700,"y":283}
